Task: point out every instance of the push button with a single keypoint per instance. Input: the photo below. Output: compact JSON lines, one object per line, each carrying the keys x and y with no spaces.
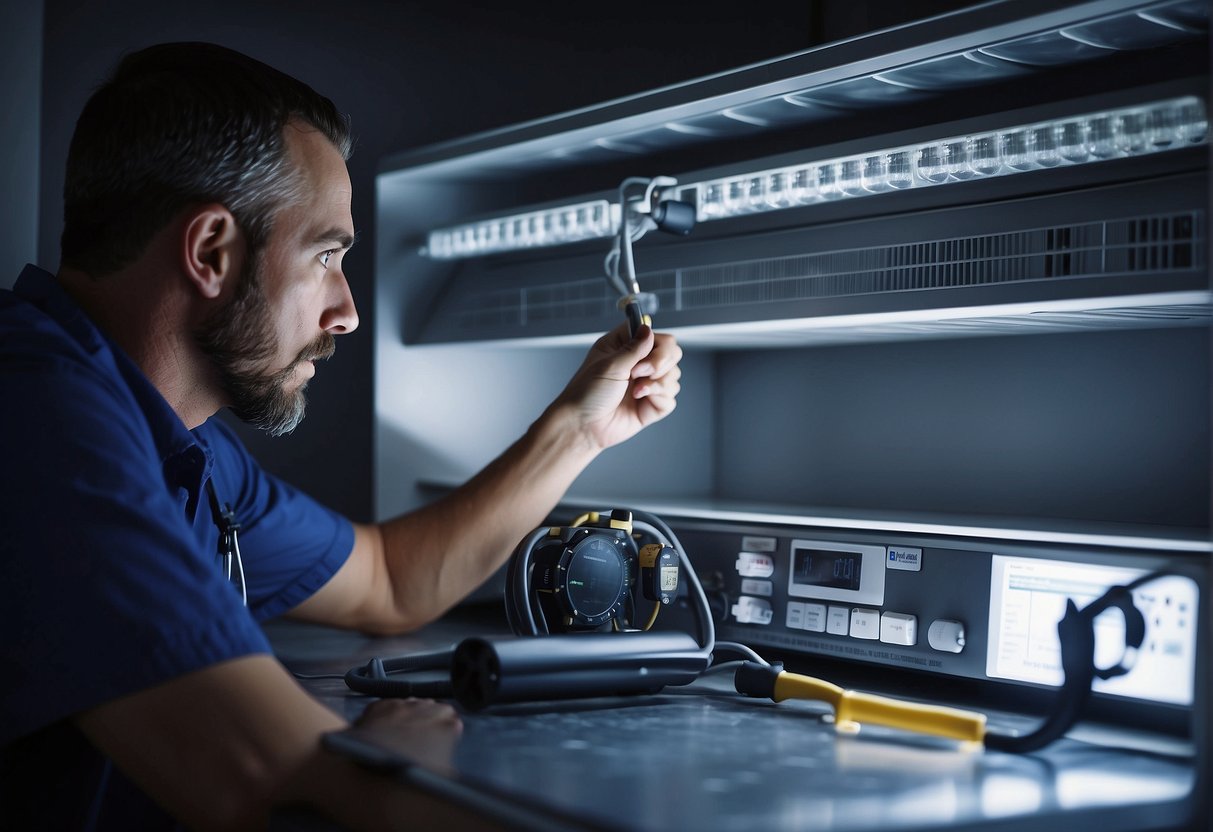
{"x":815,"y":618}
{"x":838,"y":621}
{"x":899,"y":628}
{"x":946,"y":635}
{"x":795,"y":615}
{"x":865,"y":623}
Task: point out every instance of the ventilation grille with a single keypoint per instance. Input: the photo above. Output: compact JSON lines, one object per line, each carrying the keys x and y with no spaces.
{"x":1156,"y":244}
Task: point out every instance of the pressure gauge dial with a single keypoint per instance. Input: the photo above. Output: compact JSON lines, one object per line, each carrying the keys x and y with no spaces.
{"x":586,"y":580}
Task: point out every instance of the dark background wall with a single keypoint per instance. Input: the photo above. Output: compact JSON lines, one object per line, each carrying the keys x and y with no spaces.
{"x":409,"y":74}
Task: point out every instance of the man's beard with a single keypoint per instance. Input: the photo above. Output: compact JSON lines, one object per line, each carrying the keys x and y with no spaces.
{"x":239,"y":340}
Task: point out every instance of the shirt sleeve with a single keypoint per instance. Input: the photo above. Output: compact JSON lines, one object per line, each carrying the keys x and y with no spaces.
{"x":290,"y":545}
{"x":106,"y":589}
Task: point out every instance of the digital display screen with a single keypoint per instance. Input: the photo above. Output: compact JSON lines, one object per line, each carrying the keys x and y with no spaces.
{"x":1028,"y":597}
{"x":819,"y":567}
{"x":669,"y":578}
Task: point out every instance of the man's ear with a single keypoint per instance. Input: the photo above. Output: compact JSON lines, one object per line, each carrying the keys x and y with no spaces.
{"x":213,"y":248}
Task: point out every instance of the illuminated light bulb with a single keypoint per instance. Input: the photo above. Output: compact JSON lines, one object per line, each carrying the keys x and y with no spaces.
{"x":875,"y":174}
{"x":1072,"y":141}
{"x":711,"y":201}
{"x":930,"y":167}
{"x":1042,"y":145}
{"x":531,"y":235}
{"x":956,"y":159}
{"x":777,"y":195}
{"x":736,"y":196}
{"x":985,"y":159}
{"x":1191,"y":123}
{"x":900,"y":171}
{"x":601,"y":219}
{"x":1015,"y":150}
{"x":827,"y":181}
{"x":1101,"y":137}
{"x":1160,"y":128}
{"x":850,"y":177}
{"x":756,"y":193}
{"x":570,"y":228}
{"x":464,"y":240}
{"x":1131,"y":133}
{"x":582,"y":222}
{"x":804,"y":185}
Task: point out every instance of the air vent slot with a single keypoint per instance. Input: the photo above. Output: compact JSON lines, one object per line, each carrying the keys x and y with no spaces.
{"x":1155,"y":244}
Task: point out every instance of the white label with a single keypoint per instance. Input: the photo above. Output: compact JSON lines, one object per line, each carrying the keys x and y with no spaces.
{"x":904,"y":557}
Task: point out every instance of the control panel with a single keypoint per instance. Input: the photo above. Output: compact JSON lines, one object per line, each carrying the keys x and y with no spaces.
{"x":983,"y":609}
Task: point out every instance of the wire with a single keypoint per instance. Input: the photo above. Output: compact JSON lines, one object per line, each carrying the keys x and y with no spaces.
{"x":737,"y":647}
{"x":703,"y":612}
{"x":240,"y":567}
{"x":723,"y":667}
{"x":518,"y":609}
{"x":1076,"y":632}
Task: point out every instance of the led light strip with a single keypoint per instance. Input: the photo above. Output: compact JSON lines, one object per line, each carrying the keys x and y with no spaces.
{"x":551,"y":227}
{"x":1111,"y":134}
{"x":1076,"y":140}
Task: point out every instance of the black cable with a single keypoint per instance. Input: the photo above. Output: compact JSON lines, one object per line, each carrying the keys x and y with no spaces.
{"x":703,"y":612}
{"x":373,"y":677}
{"x":1076,"y":632}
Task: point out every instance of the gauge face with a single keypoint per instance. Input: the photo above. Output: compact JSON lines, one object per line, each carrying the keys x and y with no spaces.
{"x":596,"y":576}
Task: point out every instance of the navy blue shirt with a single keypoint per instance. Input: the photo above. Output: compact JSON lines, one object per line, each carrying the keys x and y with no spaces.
{"x":111,"y":580}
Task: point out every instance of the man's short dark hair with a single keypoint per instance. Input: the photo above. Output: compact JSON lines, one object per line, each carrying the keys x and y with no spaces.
{"x":180,"y":124}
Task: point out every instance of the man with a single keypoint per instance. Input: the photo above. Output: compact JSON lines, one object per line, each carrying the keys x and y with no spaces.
{"x":207,"y":211}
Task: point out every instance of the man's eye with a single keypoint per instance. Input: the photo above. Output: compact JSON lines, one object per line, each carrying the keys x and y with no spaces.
{"x":324,"y":257}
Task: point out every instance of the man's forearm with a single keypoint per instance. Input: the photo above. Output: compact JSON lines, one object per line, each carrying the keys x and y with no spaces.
{"x":437,"y":554}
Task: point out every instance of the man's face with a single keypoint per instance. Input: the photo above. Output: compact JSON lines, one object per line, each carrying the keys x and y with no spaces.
{"x":293,"y":296}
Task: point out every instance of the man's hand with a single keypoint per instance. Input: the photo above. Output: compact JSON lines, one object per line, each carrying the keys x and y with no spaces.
{"x":624,"y":385}
{"x":420,"y":730}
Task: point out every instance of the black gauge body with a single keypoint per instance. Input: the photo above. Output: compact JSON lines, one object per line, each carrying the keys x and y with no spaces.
{"x":584,"y":579}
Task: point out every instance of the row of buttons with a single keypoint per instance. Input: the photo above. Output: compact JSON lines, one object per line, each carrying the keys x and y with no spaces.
{"x":889,"y":627}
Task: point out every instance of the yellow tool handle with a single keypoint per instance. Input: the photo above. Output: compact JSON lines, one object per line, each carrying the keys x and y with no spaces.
{"x":911,"y":716}
{"x":852,"y":707}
